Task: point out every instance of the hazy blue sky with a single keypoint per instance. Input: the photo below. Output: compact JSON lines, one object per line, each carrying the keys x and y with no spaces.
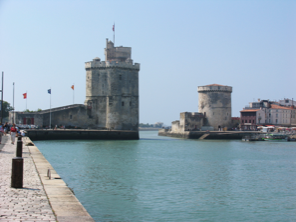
{"x":249,"y":45}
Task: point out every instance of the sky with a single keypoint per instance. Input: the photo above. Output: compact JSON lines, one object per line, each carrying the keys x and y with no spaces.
{"x":180,"y":45}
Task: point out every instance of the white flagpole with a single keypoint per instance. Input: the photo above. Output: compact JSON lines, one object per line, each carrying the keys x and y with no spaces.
{"x":13,"y":105}
{"x":26,"y":99}
{"x":50,"y":110}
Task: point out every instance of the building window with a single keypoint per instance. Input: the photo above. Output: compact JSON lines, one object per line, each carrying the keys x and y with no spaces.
{"x":276,"y":115}
{"x":122,"y":103}
{"x":70,"y":116}
{"x":253,"y":121}
{"x":130,"y":103}
{"x":276,"y":120}
{"x":120,"y":77}
{"x":249,"y":121}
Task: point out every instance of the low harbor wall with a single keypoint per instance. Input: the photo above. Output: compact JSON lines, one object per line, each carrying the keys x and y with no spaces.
{"x":63,"y":201}
{"x":80,"y":134}
{"x":227,"y":135}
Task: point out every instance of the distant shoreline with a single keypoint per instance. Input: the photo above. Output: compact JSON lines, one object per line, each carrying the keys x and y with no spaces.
{"x":148,"y":129}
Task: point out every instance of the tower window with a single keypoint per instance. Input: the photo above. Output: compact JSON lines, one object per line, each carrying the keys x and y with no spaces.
{"x":122,"y":103}
{"x":120,"y":77}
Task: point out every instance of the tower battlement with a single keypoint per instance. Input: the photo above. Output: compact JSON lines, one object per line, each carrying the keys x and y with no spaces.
{"x":214,"y":88}
{"x":119,"y":54}
{"x":98,"y":64}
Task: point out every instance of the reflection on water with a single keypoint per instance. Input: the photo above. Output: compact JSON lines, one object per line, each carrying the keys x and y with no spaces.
{"x":167,"y":179}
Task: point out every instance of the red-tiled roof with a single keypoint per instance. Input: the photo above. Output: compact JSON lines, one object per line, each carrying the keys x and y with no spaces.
{"x":214,"y":85}
{"x":273,"y":106}
{"x":250,"y":110}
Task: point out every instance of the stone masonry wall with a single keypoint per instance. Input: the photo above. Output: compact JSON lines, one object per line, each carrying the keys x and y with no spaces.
{"x":112,"y":94}
{"x":215,"y":103}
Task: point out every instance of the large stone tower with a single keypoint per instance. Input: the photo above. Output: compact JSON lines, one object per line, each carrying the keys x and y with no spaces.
{"x":214,"y":101}
{"x":112,"y":89}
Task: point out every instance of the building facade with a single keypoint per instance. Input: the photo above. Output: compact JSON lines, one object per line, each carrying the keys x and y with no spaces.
{"x":265,"y":112}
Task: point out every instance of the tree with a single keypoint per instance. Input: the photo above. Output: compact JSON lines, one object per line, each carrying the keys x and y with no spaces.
{"x":6,"y":109}
{"x":32,"y":111}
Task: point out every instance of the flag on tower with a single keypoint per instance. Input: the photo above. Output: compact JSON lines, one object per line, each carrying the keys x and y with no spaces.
{"x":25,"y":95}
{"x":113,"y":28}
{"x":49,"y":91}
{"x":72,"y":87}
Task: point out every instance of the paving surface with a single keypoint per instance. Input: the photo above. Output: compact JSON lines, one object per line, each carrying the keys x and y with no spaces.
{"x":42,"y":198}
{"x":29,"y":203}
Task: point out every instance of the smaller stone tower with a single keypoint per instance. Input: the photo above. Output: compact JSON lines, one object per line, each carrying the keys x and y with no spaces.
{"x":214,"y":101}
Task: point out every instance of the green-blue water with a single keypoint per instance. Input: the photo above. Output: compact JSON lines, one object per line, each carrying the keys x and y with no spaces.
{"x":164,"y":179}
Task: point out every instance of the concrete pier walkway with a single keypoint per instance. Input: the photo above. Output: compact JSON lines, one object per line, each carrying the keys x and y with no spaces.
{"x":41,"y":198}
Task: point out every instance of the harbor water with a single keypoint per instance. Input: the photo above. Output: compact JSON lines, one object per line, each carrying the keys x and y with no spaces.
{"x":166,"y":179}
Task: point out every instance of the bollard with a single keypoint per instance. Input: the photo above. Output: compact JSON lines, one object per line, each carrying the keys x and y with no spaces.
{"x":49,"y":173}
{"x":17,"y":172}
{"x":19,"y":147}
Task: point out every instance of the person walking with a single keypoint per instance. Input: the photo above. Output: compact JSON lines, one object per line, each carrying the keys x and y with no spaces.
{"x":5,"y":128}
{"x":1,"y":132}
{"x":13,"y":132}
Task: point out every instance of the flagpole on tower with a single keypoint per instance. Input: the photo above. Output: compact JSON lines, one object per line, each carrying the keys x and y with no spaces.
{"x":26,"y":99}
{"x":72,"y":87}
{"x":113,"y":33}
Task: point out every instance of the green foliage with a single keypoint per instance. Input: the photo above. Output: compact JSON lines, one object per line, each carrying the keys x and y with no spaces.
{"x":145,"y":125}
{"x":6,"y":109}
{"x":156,"y":125}
{"x":32,"y":111}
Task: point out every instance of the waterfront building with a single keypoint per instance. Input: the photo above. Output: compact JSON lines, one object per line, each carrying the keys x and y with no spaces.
{"x":265,"y":112}
{"x":112,"y":96}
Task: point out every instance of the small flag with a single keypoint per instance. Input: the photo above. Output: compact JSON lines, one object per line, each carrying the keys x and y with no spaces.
{"x":49,"y":91}
{"x":72,"y":87}
{"x":25,"y":95}
{"x":113,"y":28}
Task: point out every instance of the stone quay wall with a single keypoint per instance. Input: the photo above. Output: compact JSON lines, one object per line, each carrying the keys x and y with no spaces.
{"x":82,"y":134}
{"x":223,"y":135}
